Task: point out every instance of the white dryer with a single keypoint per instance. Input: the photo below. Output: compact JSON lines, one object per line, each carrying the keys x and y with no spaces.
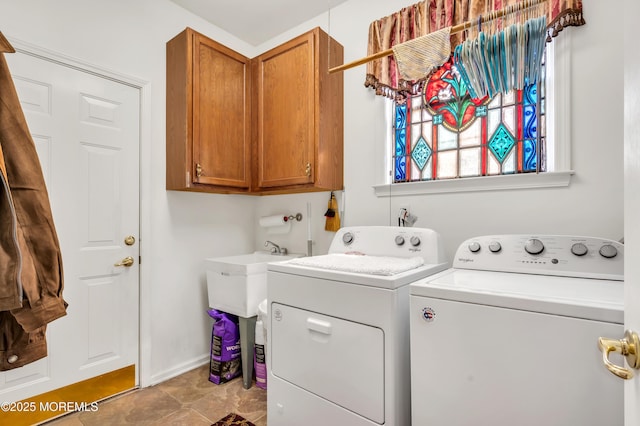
{"x":338,"y":349}
{"x":508,"y":336}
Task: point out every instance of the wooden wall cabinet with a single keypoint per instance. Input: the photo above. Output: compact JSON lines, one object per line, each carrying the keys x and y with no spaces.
{"x":298,"y":116}
{"x":208,"y":116}
{"x":269,"y":125}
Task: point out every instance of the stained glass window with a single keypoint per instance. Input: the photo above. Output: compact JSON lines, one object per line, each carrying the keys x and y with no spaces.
{"x":445,"y":134}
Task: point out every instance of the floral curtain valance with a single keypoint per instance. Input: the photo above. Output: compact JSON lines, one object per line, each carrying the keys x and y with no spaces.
{"x":429,"y":16}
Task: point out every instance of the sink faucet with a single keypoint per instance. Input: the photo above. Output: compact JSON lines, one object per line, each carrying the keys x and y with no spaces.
{"x":275,"y":249}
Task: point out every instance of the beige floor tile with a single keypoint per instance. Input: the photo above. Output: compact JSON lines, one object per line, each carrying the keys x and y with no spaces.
{"x":189,"y":399}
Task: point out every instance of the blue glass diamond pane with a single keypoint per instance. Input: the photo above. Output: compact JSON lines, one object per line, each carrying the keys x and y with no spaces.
{"x":421,"y":153}
{"x":501,"y":143}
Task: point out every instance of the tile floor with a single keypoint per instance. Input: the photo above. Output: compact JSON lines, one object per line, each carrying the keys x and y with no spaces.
{"x":189,"y":399}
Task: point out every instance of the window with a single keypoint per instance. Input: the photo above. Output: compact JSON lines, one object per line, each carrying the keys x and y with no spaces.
{"x":443,"y":133}
{"x":510,"y":141}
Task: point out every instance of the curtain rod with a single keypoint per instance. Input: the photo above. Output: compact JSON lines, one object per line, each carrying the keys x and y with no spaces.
{"x":5,"y":46}
{"x":526,"y":4}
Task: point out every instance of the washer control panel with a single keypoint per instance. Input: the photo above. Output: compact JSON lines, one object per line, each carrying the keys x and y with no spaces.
{"x":390,"y":241}
{"x":562,"y":255}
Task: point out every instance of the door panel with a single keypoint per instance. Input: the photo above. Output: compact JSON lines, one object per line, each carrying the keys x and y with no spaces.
{"x":86,"y":130}
{"x":631,"y":198}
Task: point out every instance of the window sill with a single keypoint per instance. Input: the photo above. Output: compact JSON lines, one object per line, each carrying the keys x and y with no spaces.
{"x":485,"y":183}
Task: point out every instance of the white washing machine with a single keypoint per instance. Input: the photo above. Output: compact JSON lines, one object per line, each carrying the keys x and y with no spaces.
{"x":509,"y":335}
{"x":339,"y":329}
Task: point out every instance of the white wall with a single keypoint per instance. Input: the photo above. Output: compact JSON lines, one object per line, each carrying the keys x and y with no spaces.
{"x":183,"y":228}
{"x":363,"y":127}
{"x":591,"y":205}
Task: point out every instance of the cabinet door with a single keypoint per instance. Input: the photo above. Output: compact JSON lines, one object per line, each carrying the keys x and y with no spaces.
{"x":286,"y":115}
{"x":221,"y":115}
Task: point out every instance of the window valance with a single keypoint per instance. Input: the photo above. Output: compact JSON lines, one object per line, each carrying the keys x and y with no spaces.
{"x":429,"y":16}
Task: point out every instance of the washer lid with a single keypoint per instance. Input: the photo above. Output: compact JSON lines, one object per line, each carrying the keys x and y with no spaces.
{"x":601,"y":300}
{"x":358,"y":263}
{"x":383,"y":281}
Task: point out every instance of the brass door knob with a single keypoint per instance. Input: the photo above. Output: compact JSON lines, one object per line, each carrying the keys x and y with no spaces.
{"x":628,"y":347}
{"x":127,"y":261}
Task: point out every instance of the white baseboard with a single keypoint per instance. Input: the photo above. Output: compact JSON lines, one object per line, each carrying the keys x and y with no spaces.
{"x":179,"y":369}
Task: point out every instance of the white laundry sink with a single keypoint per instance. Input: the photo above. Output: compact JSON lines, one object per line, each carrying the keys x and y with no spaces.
{"x":237,"y":284}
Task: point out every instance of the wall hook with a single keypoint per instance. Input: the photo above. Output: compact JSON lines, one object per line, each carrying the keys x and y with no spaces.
{"x":297,"y":217}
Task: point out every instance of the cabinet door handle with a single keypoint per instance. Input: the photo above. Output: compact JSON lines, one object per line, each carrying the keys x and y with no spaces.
{"x":307,"y":169}
{"x":198,"y":170}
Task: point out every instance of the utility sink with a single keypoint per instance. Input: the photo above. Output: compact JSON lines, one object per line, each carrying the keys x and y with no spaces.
{"x":237,"y":284}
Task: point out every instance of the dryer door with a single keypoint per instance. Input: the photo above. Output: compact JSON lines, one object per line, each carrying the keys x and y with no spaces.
{"x":341,"y":361}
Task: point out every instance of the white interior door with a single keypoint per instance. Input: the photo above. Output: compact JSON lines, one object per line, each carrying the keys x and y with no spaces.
{"x":632,"y":196}
{"x":86,"y":129}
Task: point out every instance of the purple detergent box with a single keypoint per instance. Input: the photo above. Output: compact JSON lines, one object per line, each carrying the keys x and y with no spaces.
{"x":225,"y":363}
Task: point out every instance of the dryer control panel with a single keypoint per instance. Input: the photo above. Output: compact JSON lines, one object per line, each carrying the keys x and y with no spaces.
{"x":391,"y":241}
{"x":562,"y":255}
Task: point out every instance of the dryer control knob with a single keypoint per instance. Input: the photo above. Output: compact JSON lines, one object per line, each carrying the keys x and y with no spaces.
{"x":474,"y":247}
{"x":495,"y":247}
{"x":579,"y":249}
{"x":608,"y":251}
{"x":399,"y":240}
{"x":415,"y":241}
{"x":534,"y":246}
{"x":347,"y":238}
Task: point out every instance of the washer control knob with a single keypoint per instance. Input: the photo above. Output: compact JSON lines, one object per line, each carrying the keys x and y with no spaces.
{"x":495,"y":247}
{"x":415,"y":241}
{"x":534,"y":246}
{"x":347,"y":238}
{"x":608,"y":251}
{"x":399,"y":240}
{"x":579,"y":249}
{"x":474,"y":247}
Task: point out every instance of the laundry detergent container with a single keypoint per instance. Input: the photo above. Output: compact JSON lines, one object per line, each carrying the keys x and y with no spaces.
{"x":263,"y":315}
{"x":260,"y":348}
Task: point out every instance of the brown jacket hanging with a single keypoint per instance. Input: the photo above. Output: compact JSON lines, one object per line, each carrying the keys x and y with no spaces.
{"x":31,"y":279}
